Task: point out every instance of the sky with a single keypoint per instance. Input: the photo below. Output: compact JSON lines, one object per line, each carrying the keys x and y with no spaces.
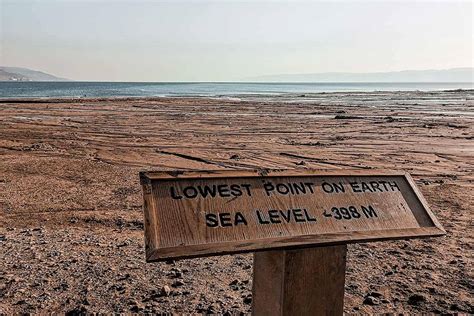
{"x":232,"y":40}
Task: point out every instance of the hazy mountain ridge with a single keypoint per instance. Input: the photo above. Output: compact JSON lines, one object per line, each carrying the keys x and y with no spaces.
{"x":465,"y":74}
{"x":25,"y":74}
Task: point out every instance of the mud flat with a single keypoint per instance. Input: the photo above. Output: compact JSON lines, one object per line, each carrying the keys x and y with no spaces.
{"x":71,"y":223}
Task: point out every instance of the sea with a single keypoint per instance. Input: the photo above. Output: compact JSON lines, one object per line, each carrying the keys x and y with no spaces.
{"x":238,"y":90}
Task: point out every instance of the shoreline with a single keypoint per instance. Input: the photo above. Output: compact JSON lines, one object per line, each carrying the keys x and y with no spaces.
{"x":262,"y":91}
{"x":297,"y":95}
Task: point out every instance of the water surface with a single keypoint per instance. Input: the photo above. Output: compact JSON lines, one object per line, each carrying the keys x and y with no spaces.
{"x":227,"y":90}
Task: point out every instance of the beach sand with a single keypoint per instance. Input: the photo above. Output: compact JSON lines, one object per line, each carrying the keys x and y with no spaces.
{"x":71,"y":222}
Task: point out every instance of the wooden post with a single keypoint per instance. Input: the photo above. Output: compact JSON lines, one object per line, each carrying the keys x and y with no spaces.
{"x":307,"y":281}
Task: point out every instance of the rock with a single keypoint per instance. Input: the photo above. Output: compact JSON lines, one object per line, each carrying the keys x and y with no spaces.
{"x":175,"y":273}
{"x":301,"y":163}
{"x":370,"y":300}
{"x":212,"y":309}
{"x":235,"y":286}
{"x":123,"y":244}
{"x":136,"y":307}
{"x":248,"y":299}
{"x":165,"y":291}
{"x":234,"y":282}
{"x":375,"y":294}
{"x":177,"y":283}
{"x":416,"y":299}
{"x":457,"y":126}
{"x":454,"y":307}
{"x":77,"y":311}
{"x":345,"y":117}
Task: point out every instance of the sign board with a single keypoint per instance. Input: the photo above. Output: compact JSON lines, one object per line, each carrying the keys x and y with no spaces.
{"x":191,"y":214}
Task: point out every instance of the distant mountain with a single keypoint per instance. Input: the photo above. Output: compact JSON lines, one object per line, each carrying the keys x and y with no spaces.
{"x":24,"y":74}
{"x":445,"y":75}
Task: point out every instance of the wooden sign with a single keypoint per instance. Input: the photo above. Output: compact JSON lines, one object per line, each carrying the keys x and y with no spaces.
{"x":190,"y":214}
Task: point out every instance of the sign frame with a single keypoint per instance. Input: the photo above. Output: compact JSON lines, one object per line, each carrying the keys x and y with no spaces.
{"x":155,"y":253}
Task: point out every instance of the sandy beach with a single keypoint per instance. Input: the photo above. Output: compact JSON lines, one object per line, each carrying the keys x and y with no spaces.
{"x":71,"y":221}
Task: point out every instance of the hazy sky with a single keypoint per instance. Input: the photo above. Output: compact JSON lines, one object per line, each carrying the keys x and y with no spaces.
{"x":230,"y":40}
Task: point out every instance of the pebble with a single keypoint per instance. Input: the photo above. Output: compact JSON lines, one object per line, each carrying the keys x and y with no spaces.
{"x":375,"y":294}
{"x":136,"y":306}
{"x":175,"y":273}
{"x":177,"y":283}
{"x":416,"y":299}
{"x":212,"y":309}
{"x":454,"y":307}
{"x":370,"y":300}
{"x":234,"y":282}
{"x":165,"y":290}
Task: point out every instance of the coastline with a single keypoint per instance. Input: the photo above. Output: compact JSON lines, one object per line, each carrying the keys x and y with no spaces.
{"x":223,"y":90}
{"x":69,"y":187}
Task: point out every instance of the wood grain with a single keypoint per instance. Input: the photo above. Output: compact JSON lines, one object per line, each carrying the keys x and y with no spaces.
{"x":299,"y":282}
